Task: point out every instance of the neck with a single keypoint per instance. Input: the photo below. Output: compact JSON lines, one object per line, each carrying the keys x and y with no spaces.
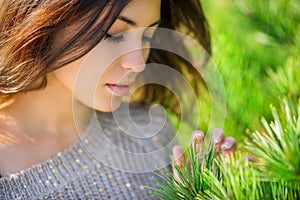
{"x":49,"y":110}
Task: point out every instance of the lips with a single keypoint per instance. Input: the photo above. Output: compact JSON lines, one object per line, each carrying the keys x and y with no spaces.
{"x":119,"y":89}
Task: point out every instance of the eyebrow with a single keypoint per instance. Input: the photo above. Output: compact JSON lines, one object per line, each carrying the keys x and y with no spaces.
{"x":132,"y":23}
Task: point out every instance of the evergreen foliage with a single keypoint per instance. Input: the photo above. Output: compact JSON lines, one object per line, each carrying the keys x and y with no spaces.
{"x":257,"y":50}
{"x":268,"y":168}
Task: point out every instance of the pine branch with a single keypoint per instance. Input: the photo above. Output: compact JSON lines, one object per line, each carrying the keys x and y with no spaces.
{"x":191,"y":183}
{"x":286,"y":80}
{"x":278,"y":148}
{"x":275,"y":175}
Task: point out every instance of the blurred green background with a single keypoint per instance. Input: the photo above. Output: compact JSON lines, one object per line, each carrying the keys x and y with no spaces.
{"x":256,"y":48}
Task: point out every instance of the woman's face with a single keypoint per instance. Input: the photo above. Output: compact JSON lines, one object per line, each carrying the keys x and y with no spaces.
{"x":102,"y":78}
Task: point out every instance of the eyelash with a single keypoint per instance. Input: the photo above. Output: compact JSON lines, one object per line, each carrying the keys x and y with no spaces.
{"x":118,"y":39}
{"x":115,"y":39}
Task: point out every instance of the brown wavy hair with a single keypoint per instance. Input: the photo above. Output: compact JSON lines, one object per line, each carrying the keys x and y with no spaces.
{"x":28,"y":28}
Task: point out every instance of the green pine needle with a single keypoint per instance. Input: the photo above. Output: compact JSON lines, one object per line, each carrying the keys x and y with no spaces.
{"x":191,"y":183}
{"x":278,"y":148}
{"x":276,"y":174}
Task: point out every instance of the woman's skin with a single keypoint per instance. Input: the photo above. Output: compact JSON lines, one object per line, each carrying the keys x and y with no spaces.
{"x":39,"y":124}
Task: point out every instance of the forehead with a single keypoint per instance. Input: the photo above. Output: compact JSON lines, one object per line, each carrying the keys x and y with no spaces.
{"x":142,"y":12}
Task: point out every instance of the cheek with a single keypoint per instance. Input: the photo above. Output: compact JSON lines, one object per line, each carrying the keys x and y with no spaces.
{"x":87,"y":87}
{"x":67,"y":74}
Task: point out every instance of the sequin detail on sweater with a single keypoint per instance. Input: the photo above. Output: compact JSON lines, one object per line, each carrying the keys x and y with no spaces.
{"x":87,"y":169}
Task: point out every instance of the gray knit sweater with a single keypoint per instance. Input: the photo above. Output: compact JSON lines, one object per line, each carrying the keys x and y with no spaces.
{"x":113,"y":159}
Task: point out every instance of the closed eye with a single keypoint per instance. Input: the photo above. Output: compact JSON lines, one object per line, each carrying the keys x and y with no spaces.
{"x":120,"y":37}
{"x":114,"y":38}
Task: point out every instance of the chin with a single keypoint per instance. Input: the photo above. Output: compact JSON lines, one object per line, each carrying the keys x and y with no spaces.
{"x":108,"y":106}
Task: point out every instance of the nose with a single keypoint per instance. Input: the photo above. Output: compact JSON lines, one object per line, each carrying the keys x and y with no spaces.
{"x":133,"y":61}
